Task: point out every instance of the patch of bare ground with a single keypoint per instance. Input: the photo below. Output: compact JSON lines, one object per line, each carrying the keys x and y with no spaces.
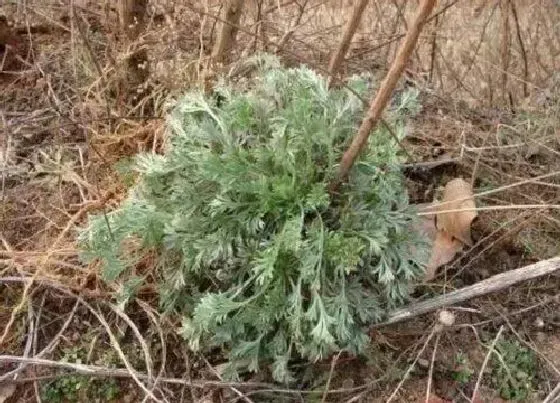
{"x":490,"y":114}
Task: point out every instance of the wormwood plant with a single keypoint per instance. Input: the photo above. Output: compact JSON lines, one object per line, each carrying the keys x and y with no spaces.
{"x":249,"y":246}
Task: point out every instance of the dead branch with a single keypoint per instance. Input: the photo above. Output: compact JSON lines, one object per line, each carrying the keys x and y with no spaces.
{"x":504,"y":44}
{"x":479,"y":44}
{"x":94,"y":370}
{"x":433,"y":51}
{"x":490,"y":285}
{"x":395,"y":37}
{"x":104,"y":372}
{"x":382,"y":97}
{"x":228,"y":31}
{"x":521,"y":48}
{"x":553,"y":395}
{"x":349,"y":31}
{"x":286,"y":37}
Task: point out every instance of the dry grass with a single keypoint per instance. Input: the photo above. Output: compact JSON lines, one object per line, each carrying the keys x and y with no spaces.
{"x":490,"y":104}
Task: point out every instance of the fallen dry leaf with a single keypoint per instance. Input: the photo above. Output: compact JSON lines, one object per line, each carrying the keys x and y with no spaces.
{"x":457,"y":195}
{"x":444,"y":249}
{"x":448,"y":232}
{"x":443,"y":246}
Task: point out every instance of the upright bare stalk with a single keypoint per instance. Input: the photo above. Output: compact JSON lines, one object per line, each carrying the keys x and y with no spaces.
{"x":383,"y":95}
{"x":522,"y":49}
{"x":132,"y":15}
{"x":504,"y":45}
{"x":349,"y":31}
{"x":433,"y":52}
{"x":231,"y":15}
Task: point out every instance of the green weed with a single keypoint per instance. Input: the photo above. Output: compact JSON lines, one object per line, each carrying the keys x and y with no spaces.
{"x":513,"y":370}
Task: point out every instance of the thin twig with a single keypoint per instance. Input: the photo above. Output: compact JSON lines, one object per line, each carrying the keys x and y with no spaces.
{"x":485,"y":363}
{"x":241,"y":395}
{"x":286,"y":37}
{"x":116,"y":346}
{"x":504,"y":44}
{"x":35,"y":338}
{"x":531,"y":345}
{"x":498,"y":190}
{"x":431,"y":370}
{"x":150,"y":312}
{"x":554,"y":395}
{"x":98,"y":371}
{"x":433,"y":51}
{"x":10,"y":376}
{"x":96,"y":64}
{"x":411,"y":367}
{"x":139,"y":337}
{"x":521,"y":48}
{"x":73,"y":220}
{"x":397,"y":37}
{"x":331,"y":372}
{"x":495,"y":208}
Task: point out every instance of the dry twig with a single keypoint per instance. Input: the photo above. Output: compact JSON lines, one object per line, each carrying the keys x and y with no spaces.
{"x":485,"y":363}
{"x":490,"y":285}
{"x":349,"y":31}
{"x":411,"y":367}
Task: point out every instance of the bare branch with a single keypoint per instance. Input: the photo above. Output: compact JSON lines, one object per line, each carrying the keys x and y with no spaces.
{"x":490,"y":285}
{"x":340,"y":53}
{"x":382,"y":97}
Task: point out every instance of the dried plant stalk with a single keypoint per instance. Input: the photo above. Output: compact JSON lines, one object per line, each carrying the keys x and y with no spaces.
{"x":350,"y":30}
{"x":522,"y":49}
{"x":433,"y":51}
{"x":504,"y":45}
{"x":386,"y":89}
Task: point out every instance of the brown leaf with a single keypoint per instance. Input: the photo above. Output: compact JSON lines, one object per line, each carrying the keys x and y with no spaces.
{"x":457,"y":195}
{"x":444,"y":246}
{"x":426,"y":228}
{"x":444,"y":249}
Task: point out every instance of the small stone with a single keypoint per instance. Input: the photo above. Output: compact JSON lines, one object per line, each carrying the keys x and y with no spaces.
{"x":446,"y":318}
{"x":539,"y":322}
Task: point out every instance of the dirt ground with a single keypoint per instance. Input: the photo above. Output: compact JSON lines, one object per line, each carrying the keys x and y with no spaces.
{"x":490,"y":94}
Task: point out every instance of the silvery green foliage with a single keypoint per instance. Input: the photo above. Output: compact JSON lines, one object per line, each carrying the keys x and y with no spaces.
{"x":251,"y":249}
